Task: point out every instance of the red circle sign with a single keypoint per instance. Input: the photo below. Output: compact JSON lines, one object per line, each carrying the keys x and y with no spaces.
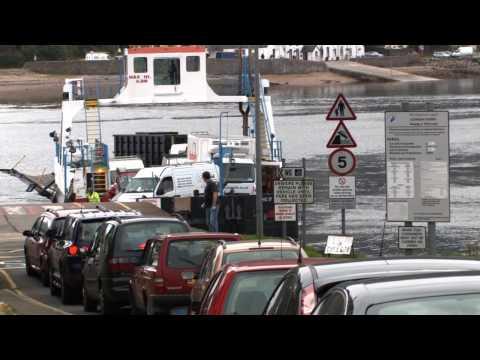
{"x":342,"y":162}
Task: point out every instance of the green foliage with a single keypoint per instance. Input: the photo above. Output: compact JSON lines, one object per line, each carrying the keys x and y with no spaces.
{"x":17,"y":55}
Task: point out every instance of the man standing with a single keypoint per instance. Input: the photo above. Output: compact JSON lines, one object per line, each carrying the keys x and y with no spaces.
{"x":93,"y":196}
{"x":211,"y":202}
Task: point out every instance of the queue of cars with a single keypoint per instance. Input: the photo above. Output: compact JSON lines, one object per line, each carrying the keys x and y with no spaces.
{"x":115,"y":261}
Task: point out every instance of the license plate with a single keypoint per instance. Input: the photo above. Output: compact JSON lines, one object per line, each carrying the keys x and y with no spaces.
{"x":179,"y":311}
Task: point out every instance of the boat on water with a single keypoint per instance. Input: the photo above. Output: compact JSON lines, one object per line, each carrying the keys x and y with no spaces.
{"x":154,"y":75}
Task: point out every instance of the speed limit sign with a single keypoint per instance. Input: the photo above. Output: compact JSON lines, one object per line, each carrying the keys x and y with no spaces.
{"x":342,"y":162}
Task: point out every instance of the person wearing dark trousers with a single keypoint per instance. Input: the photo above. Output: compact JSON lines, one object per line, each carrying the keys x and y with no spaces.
{"x":211,"y":202}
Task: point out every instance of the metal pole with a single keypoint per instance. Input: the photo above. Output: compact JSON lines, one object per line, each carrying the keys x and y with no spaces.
{"x":432,"y":236}
{"x":343,"y":222}
{"x":304,"y":205}
{"x":258,"y":151}
{"x":432,"y":248}
{"x":284,"y":224}
{"x":408,"y":252}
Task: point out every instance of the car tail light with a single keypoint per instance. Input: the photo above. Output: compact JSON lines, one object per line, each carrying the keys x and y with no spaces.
{"x":308,"y":300}
{"x":73,"y":250}
{"x":121,"y":264}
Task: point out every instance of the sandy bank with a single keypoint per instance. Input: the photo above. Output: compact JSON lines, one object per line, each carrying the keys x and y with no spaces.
{"x":313,"y":79}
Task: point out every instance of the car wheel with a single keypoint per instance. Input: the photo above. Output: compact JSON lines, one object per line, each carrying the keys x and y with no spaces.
{"x":28,"y":267}
{"x":106,"y":307}
{"x":53,"y":288}
{"x":88,"y":304}
{"x":67,"y":294}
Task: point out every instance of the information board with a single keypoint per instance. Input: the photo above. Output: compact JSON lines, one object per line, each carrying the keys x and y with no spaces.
{"x":293,"y":192}
{"x":413,"y":237}
{"x":417,"y":153}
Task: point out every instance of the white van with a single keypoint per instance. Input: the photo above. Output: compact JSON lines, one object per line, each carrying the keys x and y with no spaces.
{"x":142,"y":185}
{"x":184,"y":180}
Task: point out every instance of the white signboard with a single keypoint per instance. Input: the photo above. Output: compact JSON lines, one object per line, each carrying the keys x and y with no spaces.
{"x":342,"y":187}
{"x":342,"y":192}
{"x":417,"y":154}
{"x":285,"y":212}
{"x":293,"y":192}
{"x":413,"y":237}
{"x":339,"y":245}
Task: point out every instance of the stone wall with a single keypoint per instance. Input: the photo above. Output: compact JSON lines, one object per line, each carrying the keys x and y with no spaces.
{"x":76,"y":67}
{"x":214,"y":67}
{"x":392,"y":61}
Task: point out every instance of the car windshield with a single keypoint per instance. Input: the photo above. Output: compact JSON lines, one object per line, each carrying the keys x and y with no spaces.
{"x":132,"y":237}
{"x":188,"y":253}
{"x":239,"y":172}
{"x":87,"y":231}
{"x":252,"y":255}
{"x":461,"y":304}
{"x":141,"y":185}
{"x":250,"y":291}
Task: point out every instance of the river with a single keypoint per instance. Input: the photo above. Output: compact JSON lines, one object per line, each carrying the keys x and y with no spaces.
{"x":300,"y":123}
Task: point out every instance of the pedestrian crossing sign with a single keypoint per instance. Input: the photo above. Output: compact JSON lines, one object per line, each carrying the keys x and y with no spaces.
{"x":341,"y":110}
{"x":341,"y":138}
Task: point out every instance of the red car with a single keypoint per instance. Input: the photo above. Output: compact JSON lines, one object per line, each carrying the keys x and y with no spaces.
{"x":162,"y":283}
{"x":244,"y":288}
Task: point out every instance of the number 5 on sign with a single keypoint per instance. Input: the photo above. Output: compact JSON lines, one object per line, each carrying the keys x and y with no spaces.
{"x":342,"y":162}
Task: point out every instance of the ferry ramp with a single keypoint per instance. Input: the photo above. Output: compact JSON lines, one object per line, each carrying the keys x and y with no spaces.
{"x":358,"y":70}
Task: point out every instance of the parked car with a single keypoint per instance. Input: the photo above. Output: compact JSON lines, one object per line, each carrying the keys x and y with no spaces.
{"x":39,"y":239}
{"x":244,"y":288}
{"x":442,"y":54}
{"x":67,"y":254}
{"x":238,"y":252}
{"x":421,"y":294}
{"x":164,"y":278}
{"x":373,"y":54}
{"x":463,"y":51}
{"x":113,"y":255}
{"x":311,"y":282}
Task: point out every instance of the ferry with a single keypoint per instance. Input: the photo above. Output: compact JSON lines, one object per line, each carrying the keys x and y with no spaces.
{"x":154,"y":75}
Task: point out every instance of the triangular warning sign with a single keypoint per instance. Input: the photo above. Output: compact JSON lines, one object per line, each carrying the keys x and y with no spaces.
{"x":341,"y":138}
{"x":341,"y":110}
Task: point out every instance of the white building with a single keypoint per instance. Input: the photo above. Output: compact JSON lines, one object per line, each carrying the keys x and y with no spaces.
{"x":312,"y":52}
{"x":97,"y":56}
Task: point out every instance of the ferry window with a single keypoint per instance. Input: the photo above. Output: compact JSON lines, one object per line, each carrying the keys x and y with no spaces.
{"x":166,"y":71}
{"x":193,"y":63}
{"x":140,"y":65}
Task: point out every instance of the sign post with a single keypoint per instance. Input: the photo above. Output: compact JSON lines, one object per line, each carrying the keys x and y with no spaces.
{"x":417,"y":155}
{"x":287,"y":194}
{"x":341,"y":161}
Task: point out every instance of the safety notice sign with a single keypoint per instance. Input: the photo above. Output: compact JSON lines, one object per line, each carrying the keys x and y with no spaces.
{"x":417,"y":155}
{"x":285,"y":212}
{"x":293,"y":192}
{"x":342,"y":192}
{"x":413,"y":237}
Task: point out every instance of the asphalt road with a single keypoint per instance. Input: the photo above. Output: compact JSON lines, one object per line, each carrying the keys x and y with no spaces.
{"x":35,"y":298}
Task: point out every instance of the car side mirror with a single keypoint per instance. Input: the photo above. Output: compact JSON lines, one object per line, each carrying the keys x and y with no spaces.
{"x":28,"y":233}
